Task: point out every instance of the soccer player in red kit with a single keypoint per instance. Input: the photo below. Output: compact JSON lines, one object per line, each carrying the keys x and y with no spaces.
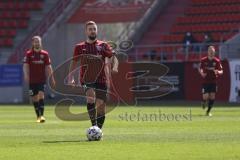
{"x":96,"y":100}
{"x":37,"y":68}
{"x":210,"y":69}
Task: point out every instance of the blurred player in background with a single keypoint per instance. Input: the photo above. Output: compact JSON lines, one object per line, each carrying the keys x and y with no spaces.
{"x":37,"y":68}
{"x":96,"y":100}
{"x":210,"y":69}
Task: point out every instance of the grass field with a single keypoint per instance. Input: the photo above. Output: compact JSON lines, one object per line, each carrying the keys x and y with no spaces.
{"x":190,"y":136}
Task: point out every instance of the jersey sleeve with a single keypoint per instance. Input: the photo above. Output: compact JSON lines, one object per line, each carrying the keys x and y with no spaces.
{"x":76,"y":53}
{"x":108,"y":51}
{"x":47,"y":60}
{"x":26,"y":59}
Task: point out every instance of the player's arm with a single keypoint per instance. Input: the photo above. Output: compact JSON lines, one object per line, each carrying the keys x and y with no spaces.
{"x":115,"y":64}
{"x":49,"y":72}
{"x":73,"y":65}
{"x":201,"y":71}
{"x":111,"y":58}
{"x":26,"y":72}
{"x":219,"y":70}
{"x":26,"y":62}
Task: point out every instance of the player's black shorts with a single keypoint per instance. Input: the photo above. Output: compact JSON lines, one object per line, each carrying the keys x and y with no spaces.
{"x":100,"y":89}
{"x":209,"y":88}
{"x":35,"y":88}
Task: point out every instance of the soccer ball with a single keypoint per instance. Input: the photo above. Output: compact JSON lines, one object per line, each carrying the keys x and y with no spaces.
{"x":94,"y":133}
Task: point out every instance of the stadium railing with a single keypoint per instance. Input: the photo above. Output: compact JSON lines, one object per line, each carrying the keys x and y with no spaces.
{"x":175,"y":52}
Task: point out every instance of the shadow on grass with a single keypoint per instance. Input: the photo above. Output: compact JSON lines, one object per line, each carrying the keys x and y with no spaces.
{"x":76,"y":141}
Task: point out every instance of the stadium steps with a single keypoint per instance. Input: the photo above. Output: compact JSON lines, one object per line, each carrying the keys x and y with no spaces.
{"x":34,"y":16}
{"x":163,"y":22}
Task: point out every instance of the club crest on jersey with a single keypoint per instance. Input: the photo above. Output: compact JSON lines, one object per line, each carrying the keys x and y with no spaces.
{"x":41,"y":56}
{"x":99,"y":48}
{"x":214,"y":63}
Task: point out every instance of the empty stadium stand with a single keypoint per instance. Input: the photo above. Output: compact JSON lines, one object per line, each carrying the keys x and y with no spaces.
{"x":220,"y":19}
{"x":15,"y":15}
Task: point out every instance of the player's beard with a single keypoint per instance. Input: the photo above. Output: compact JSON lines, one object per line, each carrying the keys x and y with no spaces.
{"x":92,"y":37}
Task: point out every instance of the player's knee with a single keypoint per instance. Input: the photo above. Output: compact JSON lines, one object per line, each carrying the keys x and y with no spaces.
{"x":90,"y":96}
{"x":35,"y":98}
{"x":212,"y":97}
{"x":41,"y":95}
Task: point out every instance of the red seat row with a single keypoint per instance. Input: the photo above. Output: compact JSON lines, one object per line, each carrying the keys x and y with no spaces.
{"x":13,"y":24}
{"x":14,"y":14}
{"x":8,"y":32}
{"x":209,"y":19}
{"x":24,"y":5}
{"x":6,"y":42}
{"x":212,"y":2}
{"x":213,"y":10}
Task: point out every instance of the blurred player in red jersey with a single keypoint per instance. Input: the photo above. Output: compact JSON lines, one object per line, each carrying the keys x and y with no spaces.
{"x":37,"y":68}
{"x":96,"y":100}
{"x":210,"y":69}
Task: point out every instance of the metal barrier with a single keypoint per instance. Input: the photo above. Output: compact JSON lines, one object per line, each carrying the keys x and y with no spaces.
{"x":171,"y":52}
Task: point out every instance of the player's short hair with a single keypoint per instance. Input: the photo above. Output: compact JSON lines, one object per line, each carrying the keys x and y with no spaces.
{"x":88,"y":23}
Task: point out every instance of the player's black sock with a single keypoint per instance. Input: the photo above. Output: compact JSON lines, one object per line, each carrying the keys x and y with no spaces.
{"x":210,"y":105}
{"x":100,"y":120}
{"x":92,"y":113}
{"x":36,"y":108}
{"x":41,"y":107}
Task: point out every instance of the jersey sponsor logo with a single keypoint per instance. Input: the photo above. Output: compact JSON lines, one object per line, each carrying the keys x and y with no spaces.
{"x":38,"y":62}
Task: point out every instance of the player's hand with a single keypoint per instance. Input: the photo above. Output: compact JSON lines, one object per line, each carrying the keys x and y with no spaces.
{"x":26,"y":78}
{"x":203,"y":74}
{"x":71,"y":82}
{"x":114,"y":70}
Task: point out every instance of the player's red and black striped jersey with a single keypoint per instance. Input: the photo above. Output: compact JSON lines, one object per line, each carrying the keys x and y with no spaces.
{"x":208,"y":66}
{"x":92,"y":60}
{"x":37,"y":65}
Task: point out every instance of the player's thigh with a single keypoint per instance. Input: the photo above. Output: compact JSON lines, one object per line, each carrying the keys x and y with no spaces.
{"x":205,"y":91}
{"x":205,"y":96}
{"x":101,"y":92}
{"x":90,"y":95}
{"x":41,"y":89}
{"x":212,"y":95}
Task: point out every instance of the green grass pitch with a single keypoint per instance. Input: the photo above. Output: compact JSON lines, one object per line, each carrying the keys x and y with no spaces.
{"x":139,"y":137}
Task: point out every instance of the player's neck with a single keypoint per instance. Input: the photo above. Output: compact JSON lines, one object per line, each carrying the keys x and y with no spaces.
{"x":36,"y":50}
{"x":91,"y":41}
